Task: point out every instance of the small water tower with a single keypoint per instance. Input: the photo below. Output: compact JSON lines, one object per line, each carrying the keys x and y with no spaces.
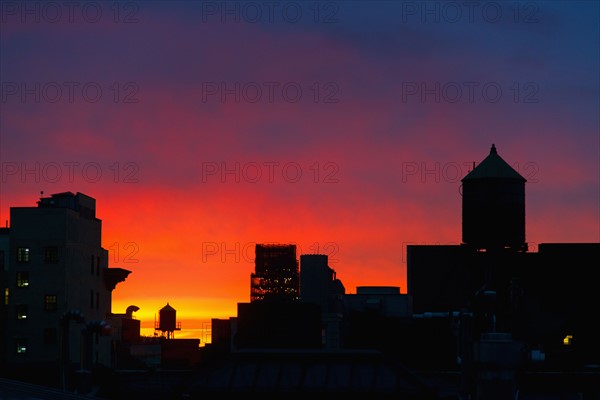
{"x":493,"y":205}
{"x":167,"y":322}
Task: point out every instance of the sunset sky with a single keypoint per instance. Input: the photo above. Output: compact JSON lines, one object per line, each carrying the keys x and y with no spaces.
{"x":202,"y":128}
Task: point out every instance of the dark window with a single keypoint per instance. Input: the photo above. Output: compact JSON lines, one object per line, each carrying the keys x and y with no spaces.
{"x":22,"y":279}
{"x":50,"y":336}
{"x":21,"y":311}
{"x":97,"y":300}
{"x":1,"y":259}
{"x":92,"y":265}
{"x":51,"y":254}
{"x":23,"y":254}
{"x":91,"y":299}
{"x":50,"y":302}
{"x":97,"y":266}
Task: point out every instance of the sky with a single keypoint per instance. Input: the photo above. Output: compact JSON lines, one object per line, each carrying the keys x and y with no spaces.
{"x":204,"y":127}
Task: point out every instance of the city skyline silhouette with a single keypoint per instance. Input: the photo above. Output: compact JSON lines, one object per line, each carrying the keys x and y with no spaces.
{"x":237,"y":254}
{"x":487,"y":306}
{"x":159,"y":143}
{"x":434,"y":165}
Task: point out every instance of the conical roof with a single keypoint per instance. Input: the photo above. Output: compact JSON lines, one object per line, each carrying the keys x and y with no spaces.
{"x":167,"y":307}
{"x":493,"y":166}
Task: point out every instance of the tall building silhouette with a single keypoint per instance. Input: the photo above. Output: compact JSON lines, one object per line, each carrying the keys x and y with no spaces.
{"x":276,"y":275}
{"x":57,"y":284}
{"x":319,"y":283}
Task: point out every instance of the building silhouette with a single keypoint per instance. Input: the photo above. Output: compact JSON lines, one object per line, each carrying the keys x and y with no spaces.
{"x":319,"y":285}
{"x":125,"y":327}
{"x":514,"y":310}
{"x":274,"y":318}
{"x":380,"y":300}
{"x":56,"y":285}
{"x":527,"y":292}
{"x":278,"y":325}
{"x":132,"y":351}
{"x":309,"y":316}
{"x":276,"y":273}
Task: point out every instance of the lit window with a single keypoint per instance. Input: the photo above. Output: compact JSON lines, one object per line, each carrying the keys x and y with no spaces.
{"x":50,"y":302}
{"x":22,"y":279}
{"x":6,"y":295}
{"x":21,"y":311}
{"x":21,"y":346}
{"x":23,"y":254}
{"x":51,"y":254}
{"x":568,"y":340}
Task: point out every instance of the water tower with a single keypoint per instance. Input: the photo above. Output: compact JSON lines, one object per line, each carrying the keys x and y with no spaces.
{"x":167,"y":322}
{"x":493,"y":205}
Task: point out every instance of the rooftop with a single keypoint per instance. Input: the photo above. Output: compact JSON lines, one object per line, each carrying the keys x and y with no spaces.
{"x":493,"y":166}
